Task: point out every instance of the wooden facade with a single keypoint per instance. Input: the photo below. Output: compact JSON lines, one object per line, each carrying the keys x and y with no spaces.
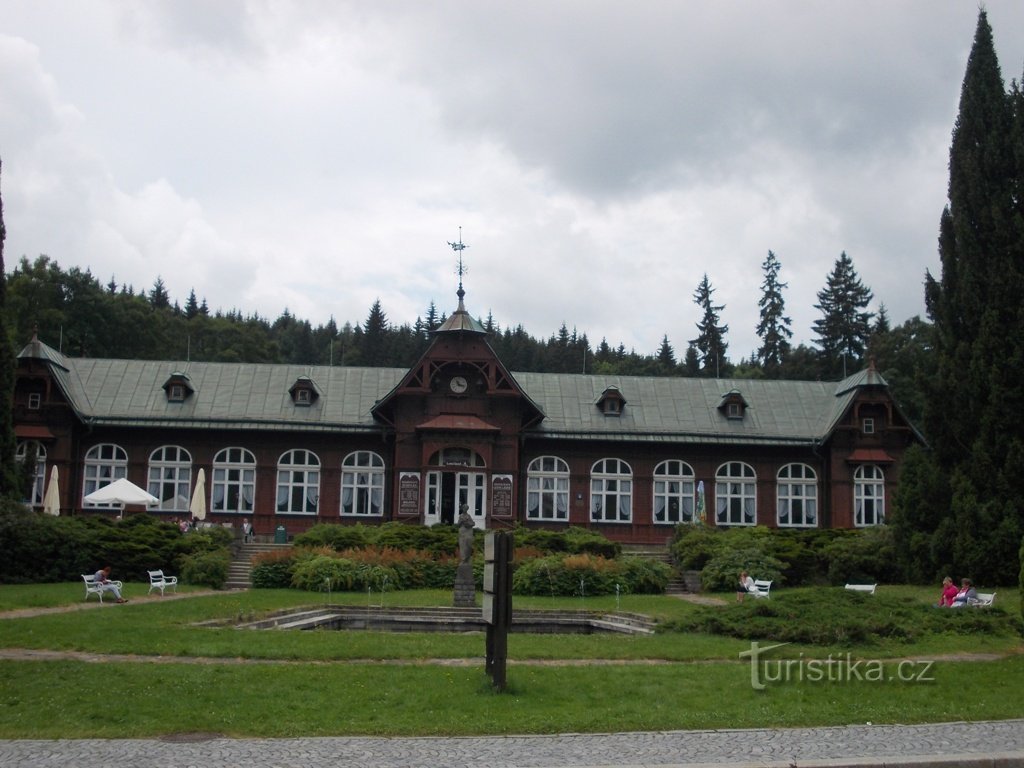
{"x":294,"y":446}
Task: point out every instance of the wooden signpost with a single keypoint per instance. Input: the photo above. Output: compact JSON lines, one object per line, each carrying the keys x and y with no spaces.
{"x":497,"y":603}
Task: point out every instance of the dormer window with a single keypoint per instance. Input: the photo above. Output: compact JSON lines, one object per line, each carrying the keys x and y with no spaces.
{"x":611,"y":402}
{"x":304,"y":392}
{"x":35,"y":401}
{"x":178,"y":388}
{"x":867,"y":426}
{"x":733,"y":405}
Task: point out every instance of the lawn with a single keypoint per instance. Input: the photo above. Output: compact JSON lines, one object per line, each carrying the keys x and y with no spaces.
{"x":325,"y":682}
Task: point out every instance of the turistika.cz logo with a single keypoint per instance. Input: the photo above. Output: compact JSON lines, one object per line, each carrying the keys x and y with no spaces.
{"x":831,"y":669}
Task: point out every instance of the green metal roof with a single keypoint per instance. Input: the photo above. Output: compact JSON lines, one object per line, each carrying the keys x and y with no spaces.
{"x":256,"y":396}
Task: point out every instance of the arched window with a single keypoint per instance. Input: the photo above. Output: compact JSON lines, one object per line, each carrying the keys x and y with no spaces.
{"x":233,"y":486}
{"x":362,"y":484}
{"x":868,"y":496}
{"x":611,"y":491}
{"x":104,"y":464}
{"x":24,"y":450}
{"x":735,"y":494}
{"x":298,"y":482}
{"x":170,"y":477}
{"x":673,"y":492}
{"x":547,"y":489}
{"x":797,"y":499}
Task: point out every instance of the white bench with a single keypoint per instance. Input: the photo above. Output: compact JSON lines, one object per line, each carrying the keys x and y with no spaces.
{"x":157,"y":580}
{"x":761,"y":588}
{"x":868,"y":588}
{"x":93,"y":587}
{"x":983,"y":599}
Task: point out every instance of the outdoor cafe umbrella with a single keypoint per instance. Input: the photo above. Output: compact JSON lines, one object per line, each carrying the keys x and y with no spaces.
{"x":198,"y":505}
{"x":122,"y":492}
{"x":51,"y":501}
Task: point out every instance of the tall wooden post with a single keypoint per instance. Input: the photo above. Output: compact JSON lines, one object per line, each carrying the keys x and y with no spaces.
{"x":497,"y":603}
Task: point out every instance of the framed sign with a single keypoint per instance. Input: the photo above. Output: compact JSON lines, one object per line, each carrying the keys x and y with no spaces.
{"x":409,"y":494}
{"x":501,"y":496}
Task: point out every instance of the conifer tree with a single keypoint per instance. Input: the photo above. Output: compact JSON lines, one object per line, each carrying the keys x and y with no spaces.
{"x":774,"y":327}
{"x":974,"y":402}
{"x":845,"y":326}
{"x":710,"y":342}
{"x":666,"y":356}
{"x":9,"y":475}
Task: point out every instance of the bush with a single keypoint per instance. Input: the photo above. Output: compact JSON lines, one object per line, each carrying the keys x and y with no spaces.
{"x":576,"y":574}
{"x":208,"y":569}
{"x":573,"y":540}
{"x":723,"y":571}
{"x":336,"y":536}
{"x":867,"y":556}
{"x":272,"y":570}
{"x":645,"y":576}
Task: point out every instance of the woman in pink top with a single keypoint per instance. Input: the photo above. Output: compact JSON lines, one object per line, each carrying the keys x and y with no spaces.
{"x":948,"y":593}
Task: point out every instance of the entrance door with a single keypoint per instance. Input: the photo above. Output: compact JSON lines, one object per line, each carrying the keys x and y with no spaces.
{"x":447,"y":491}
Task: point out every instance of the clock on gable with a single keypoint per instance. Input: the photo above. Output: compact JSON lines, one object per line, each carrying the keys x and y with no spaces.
{"x":458,"y":384}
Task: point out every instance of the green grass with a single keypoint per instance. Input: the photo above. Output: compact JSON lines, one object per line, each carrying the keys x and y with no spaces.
{"x":325,"y":682}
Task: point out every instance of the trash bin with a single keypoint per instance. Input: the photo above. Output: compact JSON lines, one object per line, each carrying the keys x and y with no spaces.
{"x":280,"y":535}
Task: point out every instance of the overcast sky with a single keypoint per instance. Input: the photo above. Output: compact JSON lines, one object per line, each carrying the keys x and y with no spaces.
{"x":600,"y":157}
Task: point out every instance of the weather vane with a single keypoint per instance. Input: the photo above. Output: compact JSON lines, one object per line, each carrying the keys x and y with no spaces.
{"x":459,"y":247}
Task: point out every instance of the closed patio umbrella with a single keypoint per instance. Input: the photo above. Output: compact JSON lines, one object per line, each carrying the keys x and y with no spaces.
{"x":198,"y":505}
{"x":51,"y":501}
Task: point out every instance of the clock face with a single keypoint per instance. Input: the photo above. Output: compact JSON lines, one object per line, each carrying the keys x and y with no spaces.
{"x":458,"y":385}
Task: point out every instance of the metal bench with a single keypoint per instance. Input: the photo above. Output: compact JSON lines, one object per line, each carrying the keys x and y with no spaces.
{"x":157,"y":580}
{"x":983,"y":599}
{"x":868,"y":588}
{"x":93,"y":587}
{"x":761,"y":588}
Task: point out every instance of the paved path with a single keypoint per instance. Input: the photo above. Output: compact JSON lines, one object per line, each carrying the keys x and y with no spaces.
{"x":977,"y":745}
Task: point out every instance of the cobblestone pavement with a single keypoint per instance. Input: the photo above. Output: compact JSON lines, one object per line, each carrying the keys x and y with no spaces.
{"x":979,"y":745}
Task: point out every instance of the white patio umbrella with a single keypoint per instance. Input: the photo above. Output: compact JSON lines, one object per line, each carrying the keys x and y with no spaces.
{"x":51,"y":501}
{"x":198,"y":505}
{"x":122,"y":492}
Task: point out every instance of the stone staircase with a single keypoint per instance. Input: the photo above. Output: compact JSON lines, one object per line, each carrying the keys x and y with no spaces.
{"x":240,"y":568}
{"x":676,"y":585}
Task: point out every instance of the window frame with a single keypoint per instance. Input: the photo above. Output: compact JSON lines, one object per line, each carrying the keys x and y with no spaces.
{"x":684,"y":496}
{"x":863,"y":496}
{"x":175,"y":471}
{"x":101,"y":470}
{"x":785,"y":497}
{"x":233,"y":469}
{"x":611,"y":480}
{"x":38,"y":493}
{"x":35,"y":401}
{"x":735,"y":495}
{"x":366,"y":494}
{"x":298,"y":475}
{"x":547,"y":489}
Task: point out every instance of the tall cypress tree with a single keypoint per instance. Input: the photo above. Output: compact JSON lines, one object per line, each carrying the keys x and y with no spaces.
{"x":774,"y":327}
{"x":845,"y":326}
{"x":974,"y":402}
{"x":9,"y":474}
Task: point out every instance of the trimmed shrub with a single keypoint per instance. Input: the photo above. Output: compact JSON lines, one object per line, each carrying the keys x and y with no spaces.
{"x":208,"y":568}
{"x":645,"y":576}
{"x":336,"y":536}
{"x":867,"y":556}
{"x":576,"y":574}
{"x":573,"y":539}
{"x":272,"y":570}
{"x":723,"y":571}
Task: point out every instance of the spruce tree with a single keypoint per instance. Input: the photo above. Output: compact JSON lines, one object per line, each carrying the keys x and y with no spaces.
{"x":974,"y":402}
{"x":845,"y":326}
{"x":774,"y":327}
{"x":710,"y":342}
{"x":9,"y":474}
{"x":666,"y":356}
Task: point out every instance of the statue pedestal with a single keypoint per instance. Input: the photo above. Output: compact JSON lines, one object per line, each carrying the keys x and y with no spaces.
{"x":465,"y":589}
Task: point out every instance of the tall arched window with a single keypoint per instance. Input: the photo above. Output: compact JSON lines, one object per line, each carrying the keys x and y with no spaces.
{"x":797,"y":496}
{"x":233,"y":487}
{"x":868,"y":496}
{"x":298,"y":482}
{"x":735,"y":494}
{"x":24,"y":450}
{"x":611,"y":491}
{"x":170,"y":477}
{"x":547,"y":489}
{"x":673,"y":493}
{"x":104,"y":464}
{"x":362,"y":484}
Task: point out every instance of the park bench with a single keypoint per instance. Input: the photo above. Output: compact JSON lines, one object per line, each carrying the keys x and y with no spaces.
{"x":761,"y":588}
{"x":157,"y":580}
{"x":867,"y":588}
{"x":92,"y":587}
{"x":983,"y":599}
